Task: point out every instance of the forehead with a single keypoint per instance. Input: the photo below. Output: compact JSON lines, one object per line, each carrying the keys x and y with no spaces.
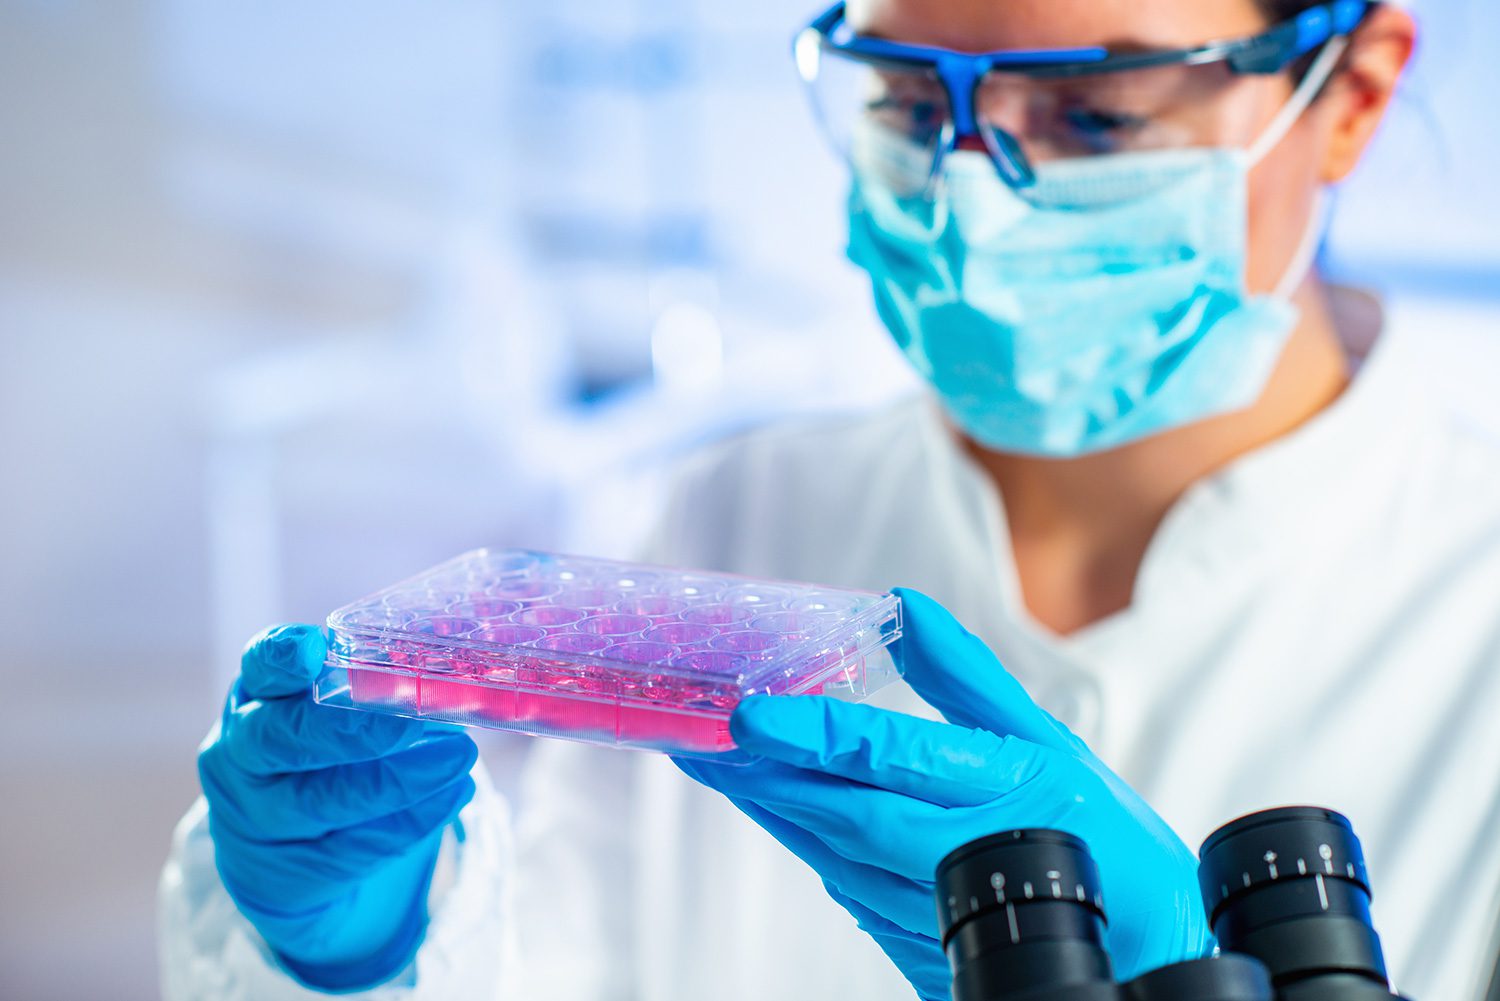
{"x":985,"y":25}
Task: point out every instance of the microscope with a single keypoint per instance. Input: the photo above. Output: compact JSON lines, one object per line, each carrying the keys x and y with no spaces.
{"x":1022,"y":917}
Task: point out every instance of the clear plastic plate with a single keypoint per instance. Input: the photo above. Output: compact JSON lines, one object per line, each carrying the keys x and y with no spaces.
{"x":610,"y":653}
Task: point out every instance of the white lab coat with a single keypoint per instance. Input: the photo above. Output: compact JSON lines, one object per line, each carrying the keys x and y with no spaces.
{"x":1320,"y":622}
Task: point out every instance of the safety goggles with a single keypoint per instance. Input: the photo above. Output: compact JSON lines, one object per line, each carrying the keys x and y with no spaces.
{"x":902,"y":109}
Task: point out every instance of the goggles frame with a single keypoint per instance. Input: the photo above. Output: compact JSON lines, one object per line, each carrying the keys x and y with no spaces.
{"x":960,"y":73}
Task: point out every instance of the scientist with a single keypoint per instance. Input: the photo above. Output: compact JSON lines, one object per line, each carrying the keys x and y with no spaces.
{"x":1197,"y":501}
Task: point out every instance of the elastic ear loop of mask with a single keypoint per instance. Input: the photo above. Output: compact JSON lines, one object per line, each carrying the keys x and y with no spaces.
{"x":1307,"y":250}
{"x":1312,"y":236}
{"x":1312,"y":85}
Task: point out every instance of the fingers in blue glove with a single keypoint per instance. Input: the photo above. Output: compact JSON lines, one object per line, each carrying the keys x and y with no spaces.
{"x":303,"y":805}
{"x":955,"y":673}
{"x":883,"y":829}
{"x":341,"y":857}
{"x":851,"y":777}
{"x":848,"y":787}
{"x":271,"y":725}
{"x":282,"y":660}
{"x":295,"y":734}
{"x":937,"y":762}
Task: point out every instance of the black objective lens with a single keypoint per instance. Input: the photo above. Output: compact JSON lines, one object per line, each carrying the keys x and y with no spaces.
{"x":1020,"y":913}
{"x":1289,"y":887}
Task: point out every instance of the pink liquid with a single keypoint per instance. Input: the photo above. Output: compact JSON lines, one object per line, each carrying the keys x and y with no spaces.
{"x":571,"y":707}
{"x":450,"y":699}
{"x":658,"y":728}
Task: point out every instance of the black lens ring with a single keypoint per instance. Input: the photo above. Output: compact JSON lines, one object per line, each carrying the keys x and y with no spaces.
{"x":1280,"y":845}
{"x":1015,"y":867}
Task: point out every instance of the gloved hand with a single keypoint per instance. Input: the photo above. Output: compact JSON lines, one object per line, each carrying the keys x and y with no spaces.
{"x":873,"y":800}
{"x":326,"y":823}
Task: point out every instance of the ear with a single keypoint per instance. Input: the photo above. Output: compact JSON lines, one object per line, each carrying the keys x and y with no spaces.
{"x":1359,"y":95}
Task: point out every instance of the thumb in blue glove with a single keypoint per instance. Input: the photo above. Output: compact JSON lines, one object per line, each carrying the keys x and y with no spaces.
{"x":326,"y":823}
{"x":873,"y":800}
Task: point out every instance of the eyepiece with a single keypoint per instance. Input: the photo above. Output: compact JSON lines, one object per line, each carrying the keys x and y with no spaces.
{"x":1023,"y":911}
{"x":1289,"y":887}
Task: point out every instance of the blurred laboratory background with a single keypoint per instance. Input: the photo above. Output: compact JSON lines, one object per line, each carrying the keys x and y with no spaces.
{"x":298,"y":298}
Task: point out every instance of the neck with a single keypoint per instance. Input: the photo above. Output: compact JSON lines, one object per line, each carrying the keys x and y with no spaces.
{"x":1080,"y":527}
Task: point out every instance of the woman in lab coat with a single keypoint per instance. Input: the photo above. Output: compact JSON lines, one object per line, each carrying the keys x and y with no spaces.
{"x":1247,"y":556}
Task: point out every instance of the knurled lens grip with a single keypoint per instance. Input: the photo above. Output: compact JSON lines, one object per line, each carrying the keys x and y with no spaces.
{"x":1022,"y":912}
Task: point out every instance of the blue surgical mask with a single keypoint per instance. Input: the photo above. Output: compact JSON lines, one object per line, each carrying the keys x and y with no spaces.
{"x":1107,"y":306}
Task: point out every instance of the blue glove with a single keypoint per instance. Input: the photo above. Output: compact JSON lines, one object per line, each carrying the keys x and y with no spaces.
{"x":873,"y":800}
{"x":326,"y":823}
